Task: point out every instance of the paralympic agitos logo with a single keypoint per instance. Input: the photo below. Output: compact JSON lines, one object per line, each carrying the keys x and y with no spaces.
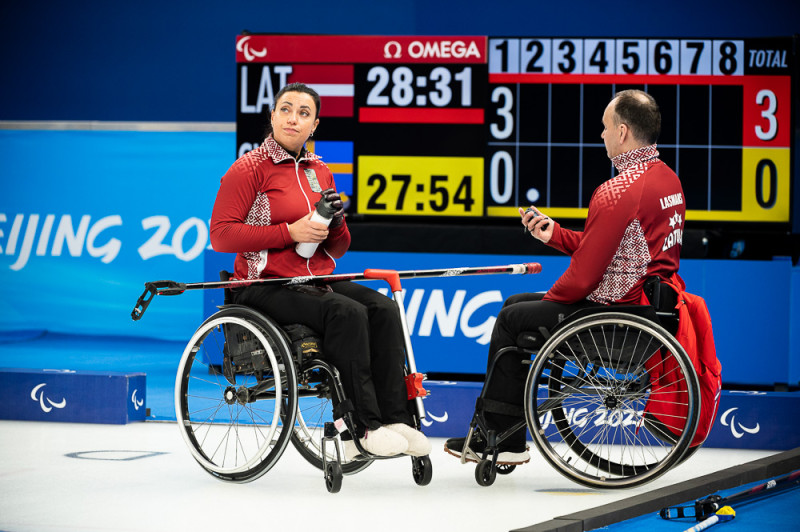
{"x":249,"y":53}
{"x":37,"y":394}
{"x":728,"y":419}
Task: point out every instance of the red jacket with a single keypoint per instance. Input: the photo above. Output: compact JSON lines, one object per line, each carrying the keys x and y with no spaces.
{"x":260,"y":195}
{"x":634,"y":230}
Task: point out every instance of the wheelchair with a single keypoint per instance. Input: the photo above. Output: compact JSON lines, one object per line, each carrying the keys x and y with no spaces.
{"x":591,"y":394}
{"x":272,"y":388}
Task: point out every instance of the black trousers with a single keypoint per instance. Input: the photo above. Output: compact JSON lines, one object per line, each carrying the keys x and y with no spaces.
{"x":361,"y":336}
{"x":520,"y":313}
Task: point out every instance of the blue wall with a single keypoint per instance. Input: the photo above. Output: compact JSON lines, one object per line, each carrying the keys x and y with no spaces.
{"x":174,"y":60}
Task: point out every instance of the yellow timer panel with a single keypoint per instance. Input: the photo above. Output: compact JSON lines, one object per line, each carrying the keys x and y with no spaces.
{"x":422,"y":186}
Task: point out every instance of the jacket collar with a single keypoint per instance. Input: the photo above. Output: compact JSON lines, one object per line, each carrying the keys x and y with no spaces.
{"x":626,"y":160}
{"x":278,"y":154}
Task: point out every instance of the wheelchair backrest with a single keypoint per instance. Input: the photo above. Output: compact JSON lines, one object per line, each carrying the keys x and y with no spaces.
{"x":664,"y":300}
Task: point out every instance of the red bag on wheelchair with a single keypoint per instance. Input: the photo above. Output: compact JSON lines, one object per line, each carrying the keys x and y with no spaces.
{"x":697,"y":339}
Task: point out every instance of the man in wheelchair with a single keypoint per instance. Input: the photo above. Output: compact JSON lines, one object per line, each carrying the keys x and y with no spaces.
{"x":633,"y":233}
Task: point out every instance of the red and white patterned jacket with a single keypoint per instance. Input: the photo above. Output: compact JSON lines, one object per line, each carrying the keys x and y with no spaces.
{"x":263,"y":192}
{"x":634,"y":230}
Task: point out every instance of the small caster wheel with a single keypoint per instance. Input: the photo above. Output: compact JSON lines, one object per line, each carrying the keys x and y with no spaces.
{"x":485,"y":473}
{"x":505,"y":469}
{"x":333,"y":477}
{"x":422,"y":469}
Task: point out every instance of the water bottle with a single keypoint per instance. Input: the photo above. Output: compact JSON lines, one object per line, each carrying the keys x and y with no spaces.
{"x":323,"y":214}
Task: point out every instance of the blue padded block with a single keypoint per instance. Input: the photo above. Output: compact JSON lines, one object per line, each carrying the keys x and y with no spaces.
{"x":744,"y":420}
{"x":72,"y":396}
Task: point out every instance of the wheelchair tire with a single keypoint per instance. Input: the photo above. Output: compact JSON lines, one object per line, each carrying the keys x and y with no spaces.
{"x":235,"y":430}
{"x":422,"y":470}
{"x":333,"y":477}
{"x":586,"y":397}
{"x":485,"y":474}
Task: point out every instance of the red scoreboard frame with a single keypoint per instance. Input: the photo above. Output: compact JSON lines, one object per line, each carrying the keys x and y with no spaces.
{"x":475,"y":126}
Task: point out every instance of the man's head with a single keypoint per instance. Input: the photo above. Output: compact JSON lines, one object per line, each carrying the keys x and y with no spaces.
{"x":631,"y":120}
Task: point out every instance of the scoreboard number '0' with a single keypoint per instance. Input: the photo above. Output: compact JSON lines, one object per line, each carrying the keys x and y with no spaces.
{"x":424,"y":186}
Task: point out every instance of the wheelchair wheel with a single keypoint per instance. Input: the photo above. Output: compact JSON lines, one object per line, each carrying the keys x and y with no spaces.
{"x":485,"y":474}
{"x":333,"y":477}
{"x":233,"y":418}
{"x":590,"y":394}
{"x":505,"y":469}
{"x":314,"y":408}
{"x":422,"y":470}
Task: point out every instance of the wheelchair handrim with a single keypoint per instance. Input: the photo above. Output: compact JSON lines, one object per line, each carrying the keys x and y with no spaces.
{"x":533,"y":416}
{"x":184,"y":423}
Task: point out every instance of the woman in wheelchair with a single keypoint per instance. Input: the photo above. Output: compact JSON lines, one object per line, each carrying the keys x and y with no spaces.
{"x":262,"y":211}
{"x":633,"y":232}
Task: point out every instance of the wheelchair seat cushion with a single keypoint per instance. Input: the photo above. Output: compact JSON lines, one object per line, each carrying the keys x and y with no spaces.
{"x":306,"y":343}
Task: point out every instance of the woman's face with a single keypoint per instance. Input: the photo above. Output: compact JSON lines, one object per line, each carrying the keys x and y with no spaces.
{"x":293,"y":120}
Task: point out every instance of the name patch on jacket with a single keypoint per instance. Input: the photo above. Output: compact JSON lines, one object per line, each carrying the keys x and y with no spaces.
{"x":311,"y":175}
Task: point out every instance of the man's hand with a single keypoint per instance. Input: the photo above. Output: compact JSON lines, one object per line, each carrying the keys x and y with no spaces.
{"x":537,"y":224}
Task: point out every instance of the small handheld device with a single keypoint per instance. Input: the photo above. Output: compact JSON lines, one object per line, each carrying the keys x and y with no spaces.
{"x":535,"y":213}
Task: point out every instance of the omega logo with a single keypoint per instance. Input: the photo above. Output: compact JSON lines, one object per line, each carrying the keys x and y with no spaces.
{"x":392,"y":50}
{"x":432,"y":49}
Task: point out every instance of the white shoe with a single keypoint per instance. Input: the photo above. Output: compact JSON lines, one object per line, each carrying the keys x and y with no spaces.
{"x":380,"y":442}
{"x":418,"y":444}
{"x":349,"y":450}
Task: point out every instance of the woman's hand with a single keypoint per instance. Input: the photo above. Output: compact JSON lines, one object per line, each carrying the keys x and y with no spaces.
{"x":304,"y":230}
{"x":537,"y":224}
{"x":331,"y":196}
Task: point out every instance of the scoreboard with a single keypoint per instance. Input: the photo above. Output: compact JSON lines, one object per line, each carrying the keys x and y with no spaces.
{"x":475,"y":126}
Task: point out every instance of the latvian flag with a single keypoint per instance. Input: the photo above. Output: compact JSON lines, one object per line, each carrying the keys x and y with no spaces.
{"x":333,"y":83}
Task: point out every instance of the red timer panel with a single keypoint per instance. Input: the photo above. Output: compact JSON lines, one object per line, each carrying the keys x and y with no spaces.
{"x":726,"y":121}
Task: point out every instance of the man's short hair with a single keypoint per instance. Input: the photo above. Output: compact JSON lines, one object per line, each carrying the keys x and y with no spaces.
{"x":640,"y":112}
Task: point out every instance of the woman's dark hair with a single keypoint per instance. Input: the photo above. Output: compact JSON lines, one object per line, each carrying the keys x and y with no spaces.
{"x":640,"y":112}
{"x":299,"y":87}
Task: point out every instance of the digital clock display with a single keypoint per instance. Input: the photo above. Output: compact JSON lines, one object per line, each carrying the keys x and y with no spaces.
{"x":423,"y":186}
{"x":456,"y":126}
